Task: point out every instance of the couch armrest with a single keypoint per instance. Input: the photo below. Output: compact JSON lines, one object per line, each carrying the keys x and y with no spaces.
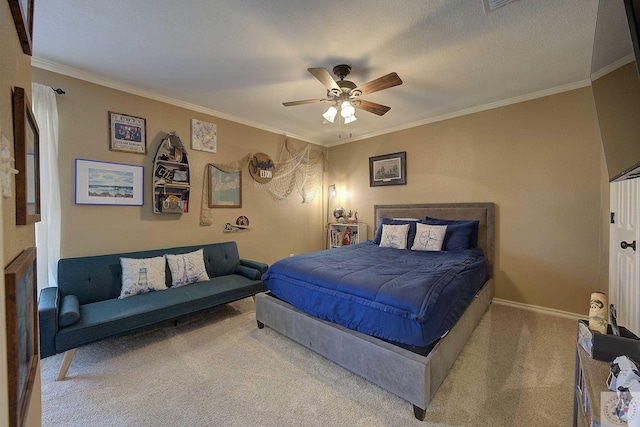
{"x":48,"y":320}
{"x":248,"y":272}
{"x":251,"y":269}
{"x":260,"y":266}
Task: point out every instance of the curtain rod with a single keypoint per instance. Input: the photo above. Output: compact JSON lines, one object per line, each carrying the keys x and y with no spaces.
{"x":59,"y":91}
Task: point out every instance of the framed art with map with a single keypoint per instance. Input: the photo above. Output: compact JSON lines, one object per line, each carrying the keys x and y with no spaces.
{"x":225,"y":188}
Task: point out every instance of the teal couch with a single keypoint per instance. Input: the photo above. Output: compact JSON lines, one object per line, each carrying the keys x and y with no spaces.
{"x":96,"y":312}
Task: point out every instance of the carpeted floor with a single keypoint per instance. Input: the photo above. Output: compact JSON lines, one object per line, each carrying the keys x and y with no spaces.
{"x":218,"y":369}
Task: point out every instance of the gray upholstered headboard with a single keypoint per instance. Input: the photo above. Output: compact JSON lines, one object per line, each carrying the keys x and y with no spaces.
{"x":483,"y":212}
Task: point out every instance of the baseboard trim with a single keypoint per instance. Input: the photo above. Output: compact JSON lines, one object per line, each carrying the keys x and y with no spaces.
{"x":540,"y":309}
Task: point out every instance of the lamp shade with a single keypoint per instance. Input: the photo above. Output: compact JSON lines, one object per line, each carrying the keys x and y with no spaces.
{"x":350,"y":119}
{"x":330,"y":114}
{"x":347,"y":110}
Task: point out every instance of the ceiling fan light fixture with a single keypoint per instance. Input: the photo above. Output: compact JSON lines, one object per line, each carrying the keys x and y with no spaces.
{"x":330,"y":114}
{"x":345,"y":95}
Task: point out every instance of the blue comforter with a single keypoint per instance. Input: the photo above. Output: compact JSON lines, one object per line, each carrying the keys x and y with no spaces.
{"x":407,"y":297}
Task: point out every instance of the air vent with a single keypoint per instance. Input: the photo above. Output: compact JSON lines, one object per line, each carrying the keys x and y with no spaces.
{"x":491,"y":5}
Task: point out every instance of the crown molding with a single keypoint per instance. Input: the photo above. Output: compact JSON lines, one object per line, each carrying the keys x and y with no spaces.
{"x":103,"y":81}
{"x":612,"y":67}
{"x":503,"y":103}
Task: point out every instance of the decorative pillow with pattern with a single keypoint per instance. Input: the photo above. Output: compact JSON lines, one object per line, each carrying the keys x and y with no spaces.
{"x":142,"y":275}
{"x":411,"y":234}
{"x":394,"y":236}
{"x":187,"y":268}
{"x":461,"y":234}
{"x":429,"y":237}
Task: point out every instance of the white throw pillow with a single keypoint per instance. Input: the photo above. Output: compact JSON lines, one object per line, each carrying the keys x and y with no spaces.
{"x":429,"y":237}
{"x":394,"y":236}
{"x":187,"y":268}
{"x":142,"y":275}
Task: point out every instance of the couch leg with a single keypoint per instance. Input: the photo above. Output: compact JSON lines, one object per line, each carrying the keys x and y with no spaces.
{"x":66,"y":362}
{"x":419,"y":413}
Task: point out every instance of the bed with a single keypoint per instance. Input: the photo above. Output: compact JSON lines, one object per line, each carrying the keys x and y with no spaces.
{"x":402,"y":347}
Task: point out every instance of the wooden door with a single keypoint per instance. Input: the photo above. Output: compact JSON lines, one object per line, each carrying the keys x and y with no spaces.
{"x":624,"y":258}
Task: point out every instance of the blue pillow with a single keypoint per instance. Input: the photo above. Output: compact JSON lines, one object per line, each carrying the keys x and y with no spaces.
{"x":69,"y":311}
{"x":411,"y":234}
{"x":461,"y":234}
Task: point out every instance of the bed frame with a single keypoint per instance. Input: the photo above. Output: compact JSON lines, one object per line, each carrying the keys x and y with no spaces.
{"x":408,"y":375}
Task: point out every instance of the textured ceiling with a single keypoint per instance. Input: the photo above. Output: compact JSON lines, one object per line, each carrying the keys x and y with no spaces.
{"x":241,"y":60}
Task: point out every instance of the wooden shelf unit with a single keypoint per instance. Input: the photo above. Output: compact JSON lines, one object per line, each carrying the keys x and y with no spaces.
{"x":337,"y":231}
{"x":171,"y":177}
{"x":589,"y":382}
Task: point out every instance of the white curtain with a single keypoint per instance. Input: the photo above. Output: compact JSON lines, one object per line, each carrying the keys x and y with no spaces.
{"x":45,"y":110}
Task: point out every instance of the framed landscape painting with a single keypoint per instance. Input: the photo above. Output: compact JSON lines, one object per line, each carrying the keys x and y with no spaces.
{"x":104,"y":183}
{"x":388,"y":169}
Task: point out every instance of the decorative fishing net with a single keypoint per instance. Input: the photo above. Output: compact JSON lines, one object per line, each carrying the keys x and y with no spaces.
{"x":296,"y":172}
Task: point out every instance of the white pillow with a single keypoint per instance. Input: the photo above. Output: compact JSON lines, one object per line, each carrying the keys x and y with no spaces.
{"x":187,"y":268}
{"x":429,"y":237}
{"x":394,"y":236}
{"x":142,"y":275}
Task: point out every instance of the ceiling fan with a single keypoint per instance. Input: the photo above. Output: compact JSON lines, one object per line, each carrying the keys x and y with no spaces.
{"x":345,"y":95}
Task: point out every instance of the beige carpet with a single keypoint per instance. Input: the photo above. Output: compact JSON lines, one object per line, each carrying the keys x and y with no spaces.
{"x":218,"y":369}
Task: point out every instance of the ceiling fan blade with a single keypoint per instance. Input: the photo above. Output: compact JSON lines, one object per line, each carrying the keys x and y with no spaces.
{"x":372,"y":107}
{"x":324,"y":77}
{"x":384,"y":82}
{"x":306,"y":101}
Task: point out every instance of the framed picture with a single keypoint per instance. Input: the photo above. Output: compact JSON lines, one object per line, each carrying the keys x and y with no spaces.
{"x":22,"y":11}
{"x":127,"y":133}
{"x":104,"y":183}
{"x":22,"y":333}
{"x":225,"y":188}
{"x":389,"y":169}
{"x":27,"y":153}
{"x":203,"y":136}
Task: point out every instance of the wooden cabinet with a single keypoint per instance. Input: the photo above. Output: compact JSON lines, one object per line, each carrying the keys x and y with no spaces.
{"x":171,"y":177}
{"x":589,"y":383}
{"x":346,"y":234}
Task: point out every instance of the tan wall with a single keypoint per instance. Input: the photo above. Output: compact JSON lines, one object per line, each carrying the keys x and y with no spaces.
{"x":279,"y":228}
{"x":540,"y":161}
{"x":15,"y":70}
{"x":617,"y":98}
